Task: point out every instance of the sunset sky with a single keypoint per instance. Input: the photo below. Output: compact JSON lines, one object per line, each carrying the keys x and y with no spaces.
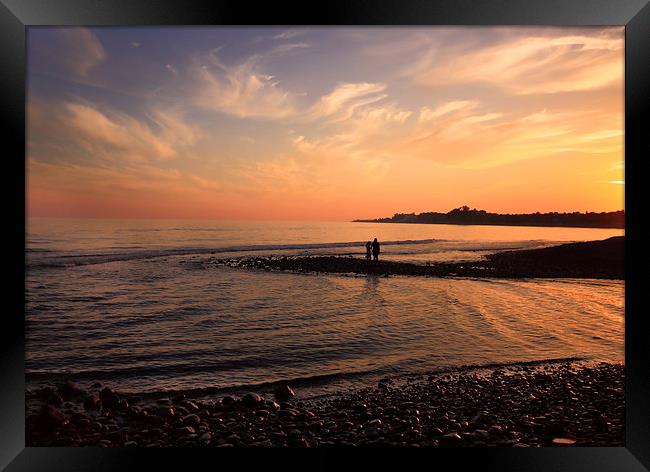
{"x":323,"y":123}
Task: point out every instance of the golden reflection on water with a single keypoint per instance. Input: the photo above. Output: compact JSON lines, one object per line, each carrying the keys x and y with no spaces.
{"x":166,"y":324}
{"x":163,"y":323}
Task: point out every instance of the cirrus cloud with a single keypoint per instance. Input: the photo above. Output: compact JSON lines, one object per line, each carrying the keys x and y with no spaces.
{"x":535,"y":64}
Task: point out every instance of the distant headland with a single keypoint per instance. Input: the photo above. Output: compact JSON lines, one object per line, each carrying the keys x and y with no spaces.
{"x":466,"y":216}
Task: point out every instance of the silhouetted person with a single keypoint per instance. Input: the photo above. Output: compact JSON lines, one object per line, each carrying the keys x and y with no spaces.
{"x":368,"y":245}
{"x":375,"y":249}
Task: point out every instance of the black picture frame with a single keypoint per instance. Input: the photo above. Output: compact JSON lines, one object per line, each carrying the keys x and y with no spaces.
{"x":16,"y":15}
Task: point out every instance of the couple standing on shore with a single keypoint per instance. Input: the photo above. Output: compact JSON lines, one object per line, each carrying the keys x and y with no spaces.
{"x":374,"y":247}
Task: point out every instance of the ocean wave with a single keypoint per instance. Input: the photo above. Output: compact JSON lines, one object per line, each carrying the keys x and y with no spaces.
{"x":53,"y":259}
{"x":71,"y":260}
{"x":367,"y":377}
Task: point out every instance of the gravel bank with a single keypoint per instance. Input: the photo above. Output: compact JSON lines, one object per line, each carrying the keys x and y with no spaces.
{"x":567,"y":404}
{"x":593,"y":259}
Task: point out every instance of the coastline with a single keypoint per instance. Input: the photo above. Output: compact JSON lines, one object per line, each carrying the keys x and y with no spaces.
{"x":518,"y":405}
{"x":487,"y":223}
{"x":466,"y":216}
{"x":593,"y":259}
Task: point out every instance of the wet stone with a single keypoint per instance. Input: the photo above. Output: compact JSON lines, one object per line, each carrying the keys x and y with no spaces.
{"x":284,"y":393}
{"x":178,"y":398}
{"x":452,"y":437}
{"x":109,"y":399}
{"x":495,"y":429}
{"x":188,"y":430}
{"x":50,"y":418}
{"x":166,"y":412}
{"x":228,"y":401}
{"x":262,"y":413}
{"x":563,"y":441}
{"x":69,"y":390}
{"x":252,"y":400}
{"x":192,"y":420}
{"x":92,"y":402}
{"x":55,"y":400}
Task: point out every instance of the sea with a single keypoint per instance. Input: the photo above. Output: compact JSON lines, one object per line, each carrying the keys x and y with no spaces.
{"x":133,"y":305}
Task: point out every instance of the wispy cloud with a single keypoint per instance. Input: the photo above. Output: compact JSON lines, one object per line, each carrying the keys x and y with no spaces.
{"x":117,"y":135}
{"x":247,"y":89}
{"x":241,"y":89}
{"x":122,"y":134}
{"x":288,"y":47}
{"x":289,"y":34}
{"x":341,"y":102}
{"x":475,"y":136}
{"x":428,"y":114}
{"x":531,"y":65}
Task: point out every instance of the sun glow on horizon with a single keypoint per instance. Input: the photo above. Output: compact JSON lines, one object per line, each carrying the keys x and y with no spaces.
{"x":323,"y":123}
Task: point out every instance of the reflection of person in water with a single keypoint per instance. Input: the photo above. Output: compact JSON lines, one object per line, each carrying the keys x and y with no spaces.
{"x":368,"y":245}
{"x":375,"y":249}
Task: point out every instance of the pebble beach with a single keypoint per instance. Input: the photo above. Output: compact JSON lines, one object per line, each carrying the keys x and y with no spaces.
{"x":526,"y":405}
{"x":593,"y":259}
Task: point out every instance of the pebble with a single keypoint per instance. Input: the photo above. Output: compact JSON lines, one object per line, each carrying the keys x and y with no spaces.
{"x":563,"y":441}
{"x":495,"y":429}
{"x":92,"y":402}
{"x":273,"y":406}
{"x":284,"y":393}
{"x":481,"y":434}
{"x":192,"y":420}
{"x":109,"y":399}
{"x":69,"y":390}
{"x":178,"y":398}
{"x":166,"y":412}
{"x":252,"y":400}
{"x":50,"y":418}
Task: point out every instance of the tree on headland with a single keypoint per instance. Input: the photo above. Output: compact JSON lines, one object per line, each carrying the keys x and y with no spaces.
{"x":465,"y":215}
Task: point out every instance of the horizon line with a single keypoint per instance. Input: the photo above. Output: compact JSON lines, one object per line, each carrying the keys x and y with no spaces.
{"x":85,"y":217}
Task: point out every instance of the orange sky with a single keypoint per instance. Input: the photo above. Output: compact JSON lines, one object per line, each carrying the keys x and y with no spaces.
{"x":323,"y":123}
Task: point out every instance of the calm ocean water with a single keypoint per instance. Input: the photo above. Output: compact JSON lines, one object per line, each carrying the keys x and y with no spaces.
{"x":129,"y":303}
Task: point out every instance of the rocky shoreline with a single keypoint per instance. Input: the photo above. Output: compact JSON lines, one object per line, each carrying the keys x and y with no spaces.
{"x":547,"y":404}
{"x":593,"y":259}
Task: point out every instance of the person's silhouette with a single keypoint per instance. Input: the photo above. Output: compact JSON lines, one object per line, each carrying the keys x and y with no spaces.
{"x":368,"y":245}
{"x":375,"y":249}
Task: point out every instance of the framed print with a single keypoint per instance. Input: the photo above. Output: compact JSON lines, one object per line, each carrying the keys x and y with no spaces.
{"x":385,"y":229}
